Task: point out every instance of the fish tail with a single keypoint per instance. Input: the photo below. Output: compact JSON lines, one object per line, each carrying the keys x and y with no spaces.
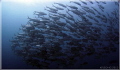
{"x":28,"y":18}
{"x":49,"y":15}
{"x":68,"y":9}
{"x":53,"y":5}
{"x":34,"y":12}
{"x":45,"y":9}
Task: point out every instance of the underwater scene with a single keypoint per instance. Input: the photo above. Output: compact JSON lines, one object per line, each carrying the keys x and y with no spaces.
{"x":60,"y":34}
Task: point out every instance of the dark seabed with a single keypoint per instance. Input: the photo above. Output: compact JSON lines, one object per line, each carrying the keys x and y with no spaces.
{"x":60,"y":34}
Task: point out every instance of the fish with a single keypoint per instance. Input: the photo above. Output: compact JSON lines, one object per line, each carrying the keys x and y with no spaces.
{"x":64,"y":34}
{"x":84,"y":18}
{"x":89,"y":16}
{"x":54,"y":17}
{"x":60,"y":23}
{"x":52,"y":11}
{"x":90,"y":1}
{"x":97,"y":1}
{"x":72,"y":7}
{"x":70,"y":28}
{"x":100,"y":6}
{"x":69,"y":14}
{"x":44,"y":18}
{"x":22,"y":34}
{"x":74,"y":11}
{"x":61,"y":5}
{"x":58,"y":8}
{"x":67,"y":21}
{"x":39,"y":13}
{"x":34,"y":20}
{"x":87,"y":9}
{"x":103,"y":2}
{"x":70,"y":18}
{"x":96,"y":10}
{"x":83,"y":2}
{"x":75,"y":3}
{"x":62,"y":14}
{"x":116,"y":3}
{"x":52,"y":8}
{"x":96,"y":20}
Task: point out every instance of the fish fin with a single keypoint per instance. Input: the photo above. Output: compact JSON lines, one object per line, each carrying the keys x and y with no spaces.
{"x":53,"y":5}
{"x":28,"y":18}
{"x":45,"y":9}
{"x":34,"y":12}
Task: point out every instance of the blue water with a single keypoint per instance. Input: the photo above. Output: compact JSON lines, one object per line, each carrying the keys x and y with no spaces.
{"x":13,"y":15}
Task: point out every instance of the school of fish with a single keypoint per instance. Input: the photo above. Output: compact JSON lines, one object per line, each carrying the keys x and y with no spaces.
{"x":67,"y":33}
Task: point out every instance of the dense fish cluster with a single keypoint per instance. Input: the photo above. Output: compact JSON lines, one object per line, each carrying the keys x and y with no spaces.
{"x":68,"y":33}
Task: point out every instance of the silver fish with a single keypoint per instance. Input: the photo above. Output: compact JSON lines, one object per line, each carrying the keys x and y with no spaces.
{"x":58,"y":7}
{"x":75,"y":3}
{"x":52,"y":8}
{"x":34,"y":20}
{"x":39,"y":13}
{"x":72,"y":7}
{"x":60,"y":4}
{"x":52,"y":11}
{"x":83,"y":2}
